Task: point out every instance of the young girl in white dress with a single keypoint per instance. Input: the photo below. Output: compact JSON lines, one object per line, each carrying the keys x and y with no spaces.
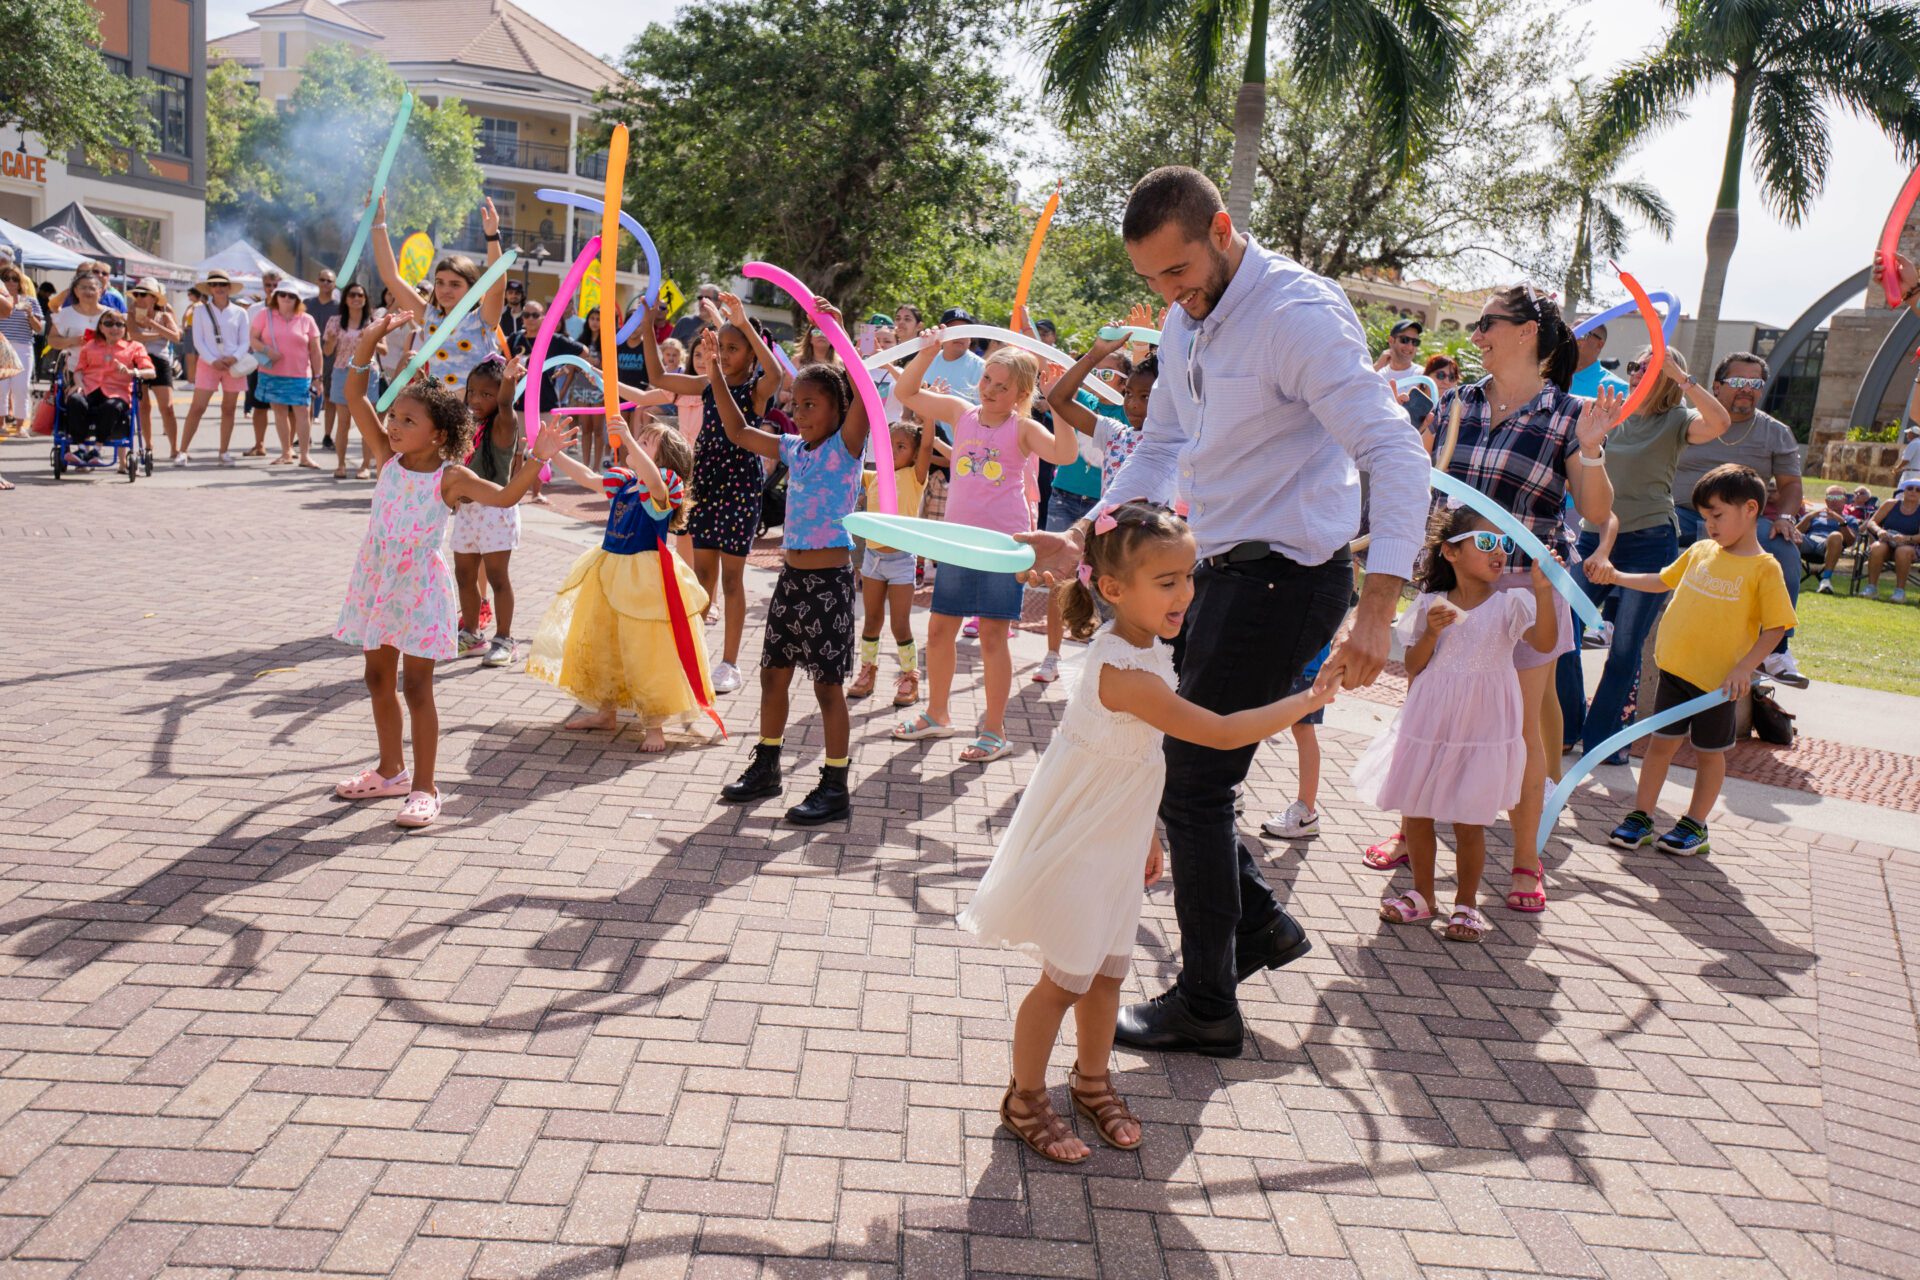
{"x":1064,"y":886}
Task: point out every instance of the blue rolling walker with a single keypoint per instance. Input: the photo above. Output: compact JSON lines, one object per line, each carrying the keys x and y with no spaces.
{"x":129,"y":456}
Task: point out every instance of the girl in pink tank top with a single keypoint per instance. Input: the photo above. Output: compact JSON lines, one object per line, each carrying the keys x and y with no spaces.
{"x":991,"y":448}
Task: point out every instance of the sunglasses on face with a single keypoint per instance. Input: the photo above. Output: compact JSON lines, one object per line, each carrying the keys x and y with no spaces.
{"x":1484,"y":541}
{"x":1408,"y":341}
{"x":1744,"y":384}
{"x":112,"y":324}
{"x":1486,"y":322}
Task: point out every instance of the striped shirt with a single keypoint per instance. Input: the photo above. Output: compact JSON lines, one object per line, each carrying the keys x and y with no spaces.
{"x":1260,"y":414}
{"x":16,"y":327}
{"x":1522,"y":464}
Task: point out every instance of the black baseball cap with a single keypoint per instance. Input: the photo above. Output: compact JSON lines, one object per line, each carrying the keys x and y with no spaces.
{"x":955,"y":315}
{"x":1047,"y":326}
{"x":1403,"y":326}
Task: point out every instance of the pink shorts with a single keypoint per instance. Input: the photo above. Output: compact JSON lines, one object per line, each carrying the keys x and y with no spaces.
{"x":207,"y":377}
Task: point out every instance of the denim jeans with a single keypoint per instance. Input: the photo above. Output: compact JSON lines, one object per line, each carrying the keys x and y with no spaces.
{"x":1250,"y":631}
{"x":1642,"y":551}
{"x":1785,"y":550}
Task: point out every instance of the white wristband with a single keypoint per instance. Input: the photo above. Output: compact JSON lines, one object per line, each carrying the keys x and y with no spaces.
{"x":1598,"y":460}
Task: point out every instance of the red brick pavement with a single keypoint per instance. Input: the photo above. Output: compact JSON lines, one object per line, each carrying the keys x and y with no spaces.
{"x":595,"y":1024}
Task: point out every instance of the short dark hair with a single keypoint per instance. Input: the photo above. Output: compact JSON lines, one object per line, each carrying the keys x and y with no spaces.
{"x":1740,"y":357}
{"x":1172,"y":193}
{"x":1731,"y":484}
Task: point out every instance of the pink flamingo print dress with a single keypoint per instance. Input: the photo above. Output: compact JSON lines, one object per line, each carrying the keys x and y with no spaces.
{"x":401,"y":595}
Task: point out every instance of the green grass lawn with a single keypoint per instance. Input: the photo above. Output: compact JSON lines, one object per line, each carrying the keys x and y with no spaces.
{"x":1815,"y":488}
{"x":1870,"y":644}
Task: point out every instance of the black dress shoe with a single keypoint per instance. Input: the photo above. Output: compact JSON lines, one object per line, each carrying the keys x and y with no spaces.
{"x":1281,"y":942}
{"x":1167,"y":1024}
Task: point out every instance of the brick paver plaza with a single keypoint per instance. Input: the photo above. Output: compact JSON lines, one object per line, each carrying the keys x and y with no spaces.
{"x":595,"y":1023}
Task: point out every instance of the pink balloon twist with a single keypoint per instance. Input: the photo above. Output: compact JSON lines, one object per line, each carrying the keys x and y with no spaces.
{"x":550,"y":325}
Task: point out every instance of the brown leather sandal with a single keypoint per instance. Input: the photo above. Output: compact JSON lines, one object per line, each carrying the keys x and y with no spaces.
{"x":1104,"y":1107}
{"x":1041,"y":1128}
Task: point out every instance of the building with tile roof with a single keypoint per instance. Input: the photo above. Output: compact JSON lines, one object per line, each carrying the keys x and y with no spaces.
{"x":530,"y":87}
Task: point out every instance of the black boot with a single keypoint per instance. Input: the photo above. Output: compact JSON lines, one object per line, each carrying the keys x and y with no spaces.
{"x":761,"y":778}
{"x":825,"y":802}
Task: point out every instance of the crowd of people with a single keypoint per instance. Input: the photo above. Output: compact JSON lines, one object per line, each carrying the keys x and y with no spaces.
{"x":1215,"y":574}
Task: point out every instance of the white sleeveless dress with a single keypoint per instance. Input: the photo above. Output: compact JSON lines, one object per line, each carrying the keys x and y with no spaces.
{"x":1065,"y":883}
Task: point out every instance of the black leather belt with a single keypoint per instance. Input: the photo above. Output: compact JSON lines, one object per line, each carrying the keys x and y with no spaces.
{"x":1252,"y":552}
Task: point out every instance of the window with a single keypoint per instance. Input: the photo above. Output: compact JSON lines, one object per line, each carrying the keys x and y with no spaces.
{"x":168,"y":101}
{"x":119,"y":66}
{"x":283,"y":48}
{"x":499,"y":141}
{"x":142,"y":233}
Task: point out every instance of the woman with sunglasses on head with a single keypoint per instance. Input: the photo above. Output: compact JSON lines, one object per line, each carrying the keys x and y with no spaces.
{"x":1527,"y":442}
{"x":1642,"y":537}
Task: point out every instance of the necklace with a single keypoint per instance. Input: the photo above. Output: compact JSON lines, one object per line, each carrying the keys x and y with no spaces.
{"x":1752,"y":422}
{"x":1502,"y":406}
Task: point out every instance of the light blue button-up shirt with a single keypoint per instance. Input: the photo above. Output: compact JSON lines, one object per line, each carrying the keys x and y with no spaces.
{"x":1261,"y":412}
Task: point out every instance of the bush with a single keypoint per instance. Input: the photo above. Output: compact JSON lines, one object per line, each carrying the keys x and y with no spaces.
{"x":1885,"y":433}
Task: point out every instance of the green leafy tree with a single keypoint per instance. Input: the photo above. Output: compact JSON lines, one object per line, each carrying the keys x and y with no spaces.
{"x":304,"y":172}
{"x":54,"y":83}
{"x":1584,"y":184}
{"x":1787,"y":62}
{"x":1401,"y":57}
{"x":239,"y":126}
{"x":1330,"y":191}
{"x":853,"y":142}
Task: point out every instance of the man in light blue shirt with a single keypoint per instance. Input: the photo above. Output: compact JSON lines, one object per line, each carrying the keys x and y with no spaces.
{"x":1592,"y":375}
{"x":1266,"y":401}
{"x":957,"y":365}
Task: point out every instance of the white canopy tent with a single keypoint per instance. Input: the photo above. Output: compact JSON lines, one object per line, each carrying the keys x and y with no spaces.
{"x":244,"y":264}
{"x":35,"y":252}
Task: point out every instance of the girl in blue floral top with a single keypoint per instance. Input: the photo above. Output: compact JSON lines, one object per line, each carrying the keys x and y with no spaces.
{"x":473,"y":338}
{"x":810,"y":619}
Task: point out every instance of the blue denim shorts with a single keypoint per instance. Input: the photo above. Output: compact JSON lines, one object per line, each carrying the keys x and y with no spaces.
{"x":969,"y":593}
{"x":1065,"y":509}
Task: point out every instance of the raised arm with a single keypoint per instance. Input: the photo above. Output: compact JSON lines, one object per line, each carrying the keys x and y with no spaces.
{"x":405,"y":297}
{"x":461,"y":485}
{"x":923,"y":459}
{"x":1591,"y":486}
{"x":680,"y":384}
{"x":748,"y":437}
{"x":930,"y":405}
{"x":495,"y":300}
{"x":1146,"y":695}
{"x":373,"y":434}
{"x":1061,"y":398}
{"x":854,"y":429}
{"x":768,"y":383}
{"x":1057,"y":446}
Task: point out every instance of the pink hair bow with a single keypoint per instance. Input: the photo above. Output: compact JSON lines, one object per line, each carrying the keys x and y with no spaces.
{"x":1086,"y":575}
{"x":1105,"y":523}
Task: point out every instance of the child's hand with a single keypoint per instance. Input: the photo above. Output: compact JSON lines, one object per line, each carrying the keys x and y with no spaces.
{"x":710,"y":313}
{"x":935,"y":336}
{"x":1541,"y":582}
{"x":1901,"y":263}
{"x":734,"y":309}
{"x":515,"y":370}
{"x":1738,"y":682}
{"x":1104,"y":347}
{"x":1600,"y":573}
{"x":1440,"y":616}
{"x":1321,"y":694}
{"x":489,"y":217}
{"x":553,"y":439}
{"x":390,"y":320}
{"x":708,"y":346}
{"x":1156,"y":863}
{"x":826,"y":308}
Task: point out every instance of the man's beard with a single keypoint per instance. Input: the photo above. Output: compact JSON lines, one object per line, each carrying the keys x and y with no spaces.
{"x":1216,"y":283}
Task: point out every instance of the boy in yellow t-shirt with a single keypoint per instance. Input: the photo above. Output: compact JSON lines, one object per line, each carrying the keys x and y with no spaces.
{"x":1729,"y":609}
{"x":886,"y":575}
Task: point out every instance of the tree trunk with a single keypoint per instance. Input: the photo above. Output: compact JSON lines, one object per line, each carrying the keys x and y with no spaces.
{"x":1577,"y":270}
{"x":1249,"y":118}
{"x":1723,"y":233}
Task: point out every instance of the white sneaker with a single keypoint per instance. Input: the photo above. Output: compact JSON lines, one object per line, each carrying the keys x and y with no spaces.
{"x":1297,"y":823}
{"x":500,"y":653}
{"x":1782,"y":667}
{"x":1602,"y":638}
{"x":1049,"y":669}
{"x":1869,"y":590}
{"x":228,"y":460}
{"x":180,"y":461}
{"x":726,"y":677}
{"x":1899,"y":595}
{"x":1826,"y":586}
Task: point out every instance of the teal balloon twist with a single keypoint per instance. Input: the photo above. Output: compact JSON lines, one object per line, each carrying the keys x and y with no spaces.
{"x":439,"y":336}
{"x":1509,"y":524}
{"x":1557,"y":798}
{"x":361,"y":232}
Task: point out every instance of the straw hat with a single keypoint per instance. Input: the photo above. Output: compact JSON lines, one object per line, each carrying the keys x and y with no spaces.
{"x":213,"y":278}
{"x":151,"y":286}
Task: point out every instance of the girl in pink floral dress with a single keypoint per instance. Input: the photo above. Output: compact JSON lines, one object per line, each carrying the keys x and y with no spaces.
{"x":401,"y":606}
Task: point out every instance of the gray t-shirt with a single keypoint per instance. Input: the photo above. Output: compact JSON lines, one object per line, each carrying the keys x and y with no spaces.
{"x":1764,"y":443}
{"x":1642,"y":453}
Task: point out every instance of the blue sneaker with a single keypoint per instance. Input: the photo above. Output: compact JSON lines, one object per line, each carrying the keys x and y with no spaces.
{"x":1634,"y":832}
{"x":1688,"y":839}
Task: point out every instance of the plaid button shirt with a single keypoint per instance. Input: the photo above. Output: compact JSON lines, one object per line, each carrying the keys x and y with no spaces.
{"x":1523,"y":463}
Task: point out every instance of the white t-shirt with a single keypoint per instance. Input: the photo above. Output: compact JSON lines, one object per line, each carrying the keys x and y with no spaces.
{"x":1910,"y":458}
{"x":69,"y":323}
{"x":1401,"y":377}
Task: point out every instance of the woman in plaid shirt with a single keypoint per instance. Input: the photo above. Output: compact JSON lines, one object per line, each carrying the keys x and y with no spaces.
{"x":1527,"y":443}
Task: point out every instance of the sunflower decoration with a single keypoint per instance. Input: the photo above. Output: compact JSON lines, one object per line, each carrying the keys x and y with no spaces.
{"x":441,"y":353}
{"x":465,"y":344}
{"x":451,"y":379}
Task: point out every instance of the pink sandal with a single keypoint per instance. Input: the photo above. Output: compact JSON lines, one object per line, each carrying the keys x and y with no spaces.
{"x":369,"y":785}
{"x":1405,"y":908}
{"x":421,"y":808}
{"x":1376,"y":855}
{"x":1528,"y":903}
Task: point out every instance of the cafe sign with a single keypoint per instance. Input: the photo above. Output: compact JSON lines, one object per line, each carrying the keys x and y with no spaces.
{"x":26,"y":168}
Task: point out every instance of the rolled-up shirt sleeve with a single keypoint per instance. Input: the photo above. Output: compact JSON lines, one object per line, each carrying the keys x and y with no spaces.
{"x":1319,"y":358}
{"x":1149,"y":470}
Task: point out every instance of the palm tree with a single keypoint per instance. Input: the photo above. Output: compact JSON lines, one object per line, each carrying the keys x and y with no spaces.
{"x":1401,"y":55}
{"x":1786,"y":61}
{"x":1601,"y":203}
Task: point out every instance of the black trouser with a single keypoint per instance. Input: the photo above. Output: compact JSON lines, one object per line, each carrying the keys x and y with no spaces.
{"x":97,"y":416}
{"x":1251,"y":630}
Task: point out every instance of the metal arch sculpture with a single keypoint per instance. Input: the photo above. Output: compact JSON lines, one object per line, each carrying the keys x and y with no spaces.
{"x":1809,"y":322}
{"x":1893,"y":352}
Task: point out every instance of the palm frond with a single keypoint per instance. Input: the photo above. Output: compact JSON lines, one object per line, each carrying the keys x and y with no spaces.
{"x":1211,"y":26}
{"x":1649,"y":93}
{"x":1790,"y":143}
{"x":1405,"y":56}
{"x":1610,"y":233}
{"x":1865,"y":57}
{"x":1644,"y":201}
{"x":1086,"y":41}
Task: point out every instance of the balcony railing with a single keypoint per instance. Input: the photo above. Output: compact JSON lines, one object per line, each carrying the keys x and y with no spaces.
{"x":474,"y":240}
{"x":591,"y":164}
{"x":539,"y":157}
